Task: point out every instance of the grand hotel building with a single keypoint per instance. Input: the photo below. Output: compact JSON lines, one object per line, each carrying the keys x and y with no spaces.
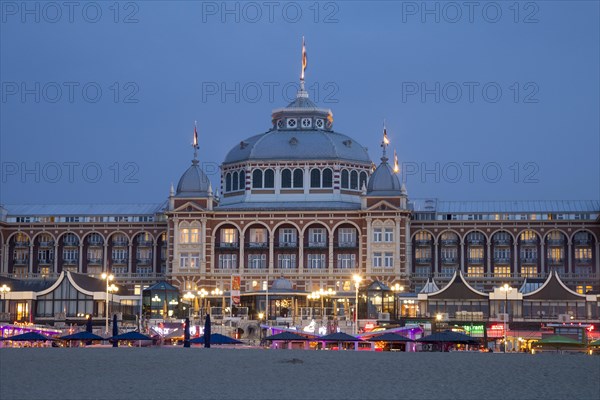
{"x":306,"y":203}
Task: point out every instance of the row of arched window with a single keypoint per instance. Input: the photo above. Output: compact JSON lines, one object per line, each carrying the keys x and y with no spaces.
{"x":235,"y":181}
{"x":293,"y":178}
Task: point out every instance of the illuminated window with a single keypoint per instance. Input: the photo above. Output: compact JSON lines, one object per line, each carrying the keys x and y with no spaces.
{"x":501,"y":271}
{"x":229,"y":235}
{"x":258,"y":236}
{"x":528,"y":271}
{"x":555,"y":253}
{"x":583,"y":289}
{"x":476,"y":253}
{"x":189,"y":260}
{"x":184,"y":236}
{"x":583,"y":253}
{"x":475,"y":271}
{"x":528,"y":236}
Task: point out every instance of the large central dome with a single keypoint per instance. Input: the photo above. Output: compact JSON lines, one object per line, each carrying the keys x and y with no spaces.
{"x":300,"y":131}
{"x":298,"y":145}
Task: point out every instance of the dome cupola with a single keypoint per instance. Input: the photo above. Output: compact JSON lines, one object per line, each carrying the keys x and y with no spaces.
{"x":384,"y":180}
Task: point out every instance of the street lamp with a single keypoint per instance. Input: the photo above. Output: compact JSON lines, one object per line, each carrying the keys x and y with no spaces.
{"x":218,"y":293}
{"x":189,"y":296}
{"x":357,"y":279}
{"x":4,"y":289}
{"x":107,"y":278}
{"x":202,"y":293}
{"x":505,"y":288}
{"x":397,"y":289}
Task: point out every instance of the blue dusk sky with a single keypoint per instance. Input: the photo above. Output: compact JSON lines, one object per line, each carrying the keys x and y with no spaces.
{"x":485,"y":101}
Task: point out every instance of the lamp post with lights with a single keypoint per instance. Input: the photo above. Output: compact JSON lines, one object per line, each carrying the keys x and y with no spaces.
{"x":107,"y":278}
{"x":357,"y":279}
{"x":189,"y":296}
{"x":4,"y":289}
{"x":505,"y":288}
{"x":202,"y":293}
{"x":397,"y":289}
{"x":218,"y":293}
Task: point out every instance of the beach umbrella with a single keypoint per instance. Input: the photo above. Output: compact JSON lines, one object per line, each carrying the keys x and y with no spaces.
{"x":186,"y":333}
{"x":133,"y":335}
{"x":84,"y":335}
{"x":207,"y":331}
{"x":339,"y":338}
{"x":390,"y":338}
{"x":115,"y":331}
{"x":559,"y":342}
{"x":448,"y":337}
{"x":216,"y":338}
{"x":29,"y":337}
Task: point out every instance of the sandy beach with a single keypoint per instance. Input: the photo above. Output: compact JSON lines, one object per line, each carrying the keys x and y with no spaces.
{"x":168,"y":373}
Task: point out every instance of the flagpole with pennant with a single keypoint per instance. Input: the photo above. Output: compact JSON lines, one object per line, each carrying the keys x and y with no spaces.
{"x":384,"y":143}
{"x":195,"y":143}
{"x":304,"y":64}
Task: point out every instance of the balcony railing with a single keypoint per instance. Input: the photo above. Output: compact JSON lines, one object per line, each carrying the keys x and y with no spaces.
{"x":20,"y":261}
{"x":449,"y":242}
{"x":137,"y":275}
{"x":45,"y":261}
{"x":120,"y":242}
{"x":423,"y":260}
{"x":21,"y":243}
{"x":285,"y":271}
{"x":476,"y":241}
{"x":316,"y":271}
{"x":70,"y":261}
{"x":347,"y":245}
{"x":119,"y":261}
{"x":529,"y":241}
{"x":257,"y":245}
{"x":515,"y":277}
{"x":501,"y":242}
{"x":475,"y":260}
{"x":449,"y":260}
{"x":379,"y":270}
{"x":583,"y":261}
{"x":287,"y":245}
{"x":529,"y":258}
{"x":46,"y":243}
{"x":582,"y":242}
{"x":258,"y":271}
{"x":144,"y":260}
{"x":556,"y":261}
{"x":556,"y":242}
{"x":144,"y":242}
{"x":501,"y":259}
{"x":95,"y":242}
{"x":423,"y":242}
{"x":32,"y":276}
{"x":317,"y":245}
{"x":94,"y":260}
{"x":71,"y":243}
{"x":228,"y":245}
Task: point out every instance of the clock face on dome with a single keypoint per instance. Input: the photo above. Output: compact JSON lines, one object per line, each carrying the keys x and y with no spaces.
{"x":306,"y":122}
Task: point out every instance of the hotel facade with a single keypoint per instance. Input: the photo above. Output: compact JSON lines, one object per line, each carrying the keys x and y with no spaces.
{"x":301,"y":208}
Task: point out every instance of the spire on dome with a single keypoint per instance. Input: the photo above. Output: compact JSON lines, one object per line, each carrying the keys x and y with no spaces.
{"x":195,"y":144}
{"x":384,"y":144}
{"x":304,"y":65}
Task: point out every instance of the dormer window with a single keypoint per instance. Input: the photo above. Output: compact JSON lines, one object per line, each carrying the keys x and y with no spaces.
{"x":320,"y":123}
{"x":291,"y":123}
{"x":306,"y":123}
{"x":280,"y":124}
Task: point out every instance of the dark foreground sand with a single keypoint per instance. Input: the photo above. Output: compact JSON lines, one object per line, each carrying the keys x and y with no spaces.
{"x":196,"y":373}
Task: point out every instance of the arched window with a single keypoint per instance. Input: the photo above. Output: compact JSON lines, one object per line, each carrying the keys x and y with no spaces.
{"x":235,"y":181}
{"x":362,"y":180}
{"x":327,"y":178}
{"x":345,"y":179}
{"x":354,"y":180}
{"x":242,"y":180}
{"x":298,"y":178}
{"x":257,"y":181}
{"x":269,"y":179}
{"x":315,"y":178}
{"x":286,"y":179}
{"x":228,"y":182}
